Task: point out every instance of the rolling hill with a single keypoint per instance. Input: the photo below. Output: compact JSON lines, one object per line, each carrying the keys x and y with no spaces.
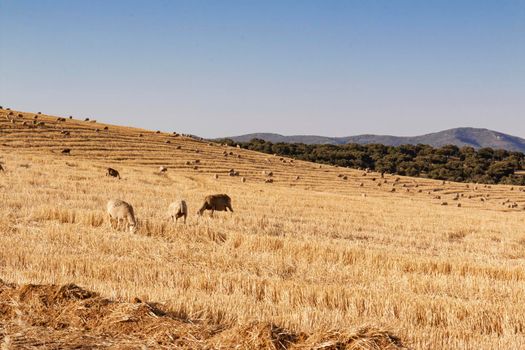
{"x":320,"y":257}
{"x":473,"y":137}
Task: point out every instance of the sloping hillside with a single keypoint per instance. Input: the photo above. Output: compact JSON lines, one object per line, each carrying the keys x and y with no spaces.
{"x":318,"y":254}
{"x":472,"y":137}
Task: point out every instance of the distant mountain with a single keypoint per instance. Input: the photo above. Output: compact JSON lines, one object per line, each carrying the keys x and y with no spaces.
{"x":473,"y":137}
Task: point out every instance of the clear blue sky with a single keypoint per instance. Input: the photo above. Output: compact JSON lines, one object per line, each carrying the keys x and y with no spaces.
{"x":220,"y":68}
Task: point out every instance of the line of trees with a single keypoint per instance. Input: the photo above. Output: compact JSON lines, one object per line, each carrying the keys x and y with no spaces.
{"x":465,"y":164}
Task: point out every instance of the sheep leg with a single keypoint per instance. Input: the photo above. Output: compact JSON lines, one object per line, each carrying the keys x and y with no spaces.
{"x":185,"y":219}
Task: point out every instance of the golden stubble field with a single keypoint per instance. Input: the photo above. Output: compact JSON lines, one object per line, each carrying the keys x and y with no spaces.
{"x":315,"y":254}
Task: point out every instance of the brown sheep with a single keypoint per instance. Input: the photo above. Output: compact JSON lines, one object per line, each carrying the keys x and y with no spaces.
{"x":121,"y":212}
{"x":216,"y":202}
{"x":113,"y":173}
{"x":66,"y":151}
{"x":177,"y":210}
{"x":163,"y":169}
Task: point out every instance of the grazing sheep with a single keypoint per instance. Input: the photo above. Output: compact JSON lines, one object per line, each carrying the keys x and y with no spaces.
{"x":178,"y":147}
{"x":106,"y":128}
{"x":177,"y":210}
{"x":113,"y":173}
{"x":157,"y":132}
{"x":86,"y":119}
{"x":268,"y":181}
{"x":345,"y":177}
{"x":297,"y":178}
{"x":216,"y":202}
{"x":216,"y":176}
{"x":66,"y":151}
{"x":167,"y":141}
{"x":141,"y":135}
{"x":162,"y":169}
{"x":97,"y":130}
{"x":70,"y":117}
{"x":121,"y":212}
{"x":243,"y":179}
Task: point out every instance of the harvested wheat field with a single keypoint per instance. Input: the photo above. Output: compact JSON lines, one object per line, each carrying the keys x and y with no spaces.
{"x":320,"y":258}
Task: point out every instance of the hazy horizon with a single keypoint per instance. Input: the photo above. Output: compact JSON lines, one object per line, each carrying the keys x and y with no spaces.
{"x":215,"y":69}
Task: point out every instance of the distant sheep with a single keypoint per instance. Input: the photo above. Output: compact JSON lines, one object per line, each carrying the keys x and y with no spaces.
{"x":113,"y":173}
{"x":106,"y":128}
{"x":66,"y":151}
{"x":243,"y":179}
{"x":268,"y":181}
{"x":216,"y":202}
{"x":177,"y":210}
{"x":216,"y":176}
{"x":2,"y":168}
{"x":86,"y":119}
{"x":163,"y":169}
{"x":121,"y":212}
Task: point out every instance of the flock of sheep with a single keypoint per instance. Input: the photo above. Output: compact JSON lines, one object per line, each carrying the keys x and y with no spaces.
{"x":122,"y":214}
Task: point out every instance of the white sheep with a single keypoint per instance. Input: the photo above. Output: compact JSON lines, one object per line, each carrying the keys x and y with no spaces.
{"x":177,"y":210}
{"x":121,"y":212}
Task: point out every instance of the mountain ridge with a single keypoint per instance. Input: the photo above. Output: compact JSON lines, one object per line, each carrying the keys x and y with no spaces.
{"x":464,"y":136}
